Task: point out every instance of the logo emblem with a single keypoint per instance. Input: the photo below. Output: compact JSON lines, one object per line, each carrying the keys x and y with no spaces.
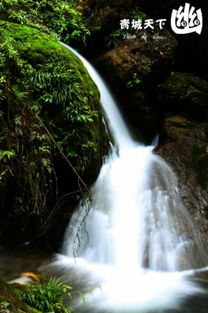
{"x":187,"y":20}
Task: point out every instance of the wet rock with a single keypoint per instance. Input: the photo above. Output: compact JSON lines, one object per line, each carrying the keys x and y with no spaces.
{"x":133,"y":69}
{"x":147,"y":55}
{"x":185,"y":148}
{"x":184,"y":92}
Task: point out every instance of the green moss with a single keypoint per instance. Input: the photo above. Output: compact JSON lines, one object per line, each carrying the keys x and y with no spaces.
{"x":179,"y":82}
{"x":37,"y":48}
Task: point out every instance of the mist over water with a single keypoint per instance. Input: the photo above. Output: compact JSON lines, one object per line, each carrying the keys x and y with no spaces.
{"x":134,"y":240}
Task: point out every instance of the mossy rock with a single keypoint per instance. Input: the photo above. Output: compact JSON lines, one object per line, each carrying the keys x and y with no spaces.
{"x":139,"y":58}
{"x":59,"y":18}
{"x":10,"y":302}
{"x":181,"y":128}
{"x":38,"y":48}
{"x":185,"y":93}
{"x":181,"y":81}
{"x":50,"y":112}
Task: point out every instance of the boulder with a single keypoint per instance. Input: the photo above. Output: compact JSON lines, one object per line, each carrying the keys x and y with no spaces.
{"x":186,"y":93}
{"x":146,"y":57}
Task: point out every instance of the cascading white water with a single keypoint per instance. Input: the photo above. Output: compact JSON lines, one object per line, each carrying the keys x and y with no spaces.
{"x":134,"y":221}
{"x":116,"y":124}
{"x":136,"y":217}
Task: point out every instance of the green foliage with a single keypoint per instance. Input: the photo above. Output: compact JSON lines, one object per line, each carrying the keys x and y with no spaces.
{"x":9,"y":299}
{"x":61,"y":18}
{"x":115,"y":38}
{"x":47,"y":296}
{"x":136,"y":13}
{"x":135,"y":81}
{"x":146,"y":70}
{"x":4,"y":304}
{"x":6,"y":155}
{"x":137,"y":78}
{"x":48,"y":103}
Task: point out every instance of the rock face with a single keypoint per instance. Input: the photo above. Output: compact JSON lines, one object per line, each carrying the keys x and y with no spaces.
{"x":186,"y":150}
{"x":184,"y":92}
{"x":185,"y":139}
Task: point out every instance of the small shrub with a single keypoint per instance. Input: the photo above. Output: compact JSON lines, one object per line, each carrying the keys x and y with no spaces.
{"x":47,"y":296}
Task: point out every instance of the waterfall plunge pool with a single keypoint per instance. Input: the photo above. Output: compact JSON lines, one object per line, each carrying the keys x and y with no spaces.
{"x":109,"y":289}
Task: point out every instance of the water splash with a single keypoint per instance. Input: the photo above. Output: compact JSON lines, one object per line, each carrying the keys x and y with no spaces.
{"x":134,"y":235}
{"x":136,"y":218}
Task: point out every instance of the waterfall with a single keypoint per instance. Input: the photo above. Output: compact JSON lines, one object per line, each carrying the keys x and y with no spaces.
{"x":133,"y":223}
{"x":136,"y":217}
{"x":115,"y":122}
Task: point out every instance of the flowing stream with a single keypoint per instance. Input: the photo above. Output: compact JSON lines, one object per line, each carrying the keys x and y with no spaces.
{"x":134,"y":240}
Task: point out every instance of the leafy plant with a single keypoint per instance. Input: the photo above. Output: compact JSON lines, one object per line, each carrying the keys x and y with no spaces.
{"x":138,"y":77}
{"x":136,"y":13}
{"x":4,"y":304}
{"x":6,"y":155}
{"x":135,"y":81}
{"x":47,"y":296}
{"x":61,"y":18}
{"x":114,"y":39}
{"x":146,"y":69}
